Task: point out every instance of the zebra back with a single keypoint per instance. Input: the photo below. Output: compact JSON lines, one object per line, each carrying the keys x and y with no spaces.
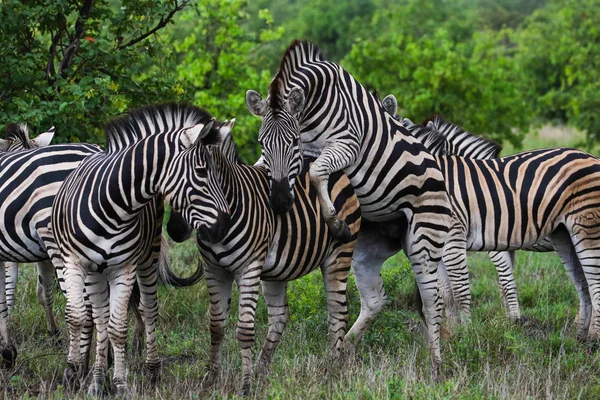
{"x":445,"y":138}
{"x":463,"y":143}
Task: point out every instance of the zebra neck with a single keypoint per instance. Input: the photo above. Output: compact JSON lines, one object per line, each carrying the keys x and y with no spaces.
{"x":232,"y":178}
{"x":137,"y":176}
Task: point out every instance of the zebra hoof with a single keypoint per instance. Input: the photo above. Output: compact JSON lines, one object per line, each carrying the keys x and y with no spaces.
{"x":121,"y":389}
{"x":69,"y":379}
{"x":245,"y":392}
{"x":96,"y":390}
{"x":9,"y":355}
{"x":153,"y":373}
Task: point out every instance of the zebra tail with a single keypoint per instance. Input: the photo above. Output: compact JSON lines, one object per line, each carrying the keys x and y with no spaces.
{"x":166,"y":274}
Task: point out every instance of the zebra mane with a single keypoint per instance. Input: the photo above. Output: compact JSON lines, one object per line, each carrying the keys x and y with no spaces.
{"x":18,"y":132}
{"x":461,"y":142}
{"x":432,"y":139}
{"x":150,"y":120}
{"x":298,"y":53}
{"x":223,"y":140}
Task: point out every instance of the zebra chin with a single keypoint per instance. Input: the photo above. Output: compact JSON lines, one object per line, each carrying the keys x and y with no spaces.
{"x":217,"y":231}
{"x":282,"y":196}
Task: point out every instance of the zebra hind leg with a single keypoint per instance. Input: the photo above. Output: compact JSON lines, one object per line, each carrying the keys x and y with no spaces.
{"x":11,"y":273}
{"x":45,"y":294}
{"x":121,"y":284}
{"x":76,"y":316}
{"x":275,"y":294}
{"x":371,"y":251}
{"x":455,"y":261}
{"x":97,"y":291}
{"x":7,"y":350}
{"x":504,"y":262}
{"x":146,"y":280}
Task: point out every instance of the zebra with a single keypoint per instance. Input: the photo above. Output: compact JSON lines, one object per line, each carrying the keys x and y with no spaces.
{"x":459,"y":142}
{"x":107,"y":222}
{"x":29,"y":180}
{"x":316,"y":108}
{"x":272,"y":249}
{"x":515,"y":212}
{"x":17,"y":138}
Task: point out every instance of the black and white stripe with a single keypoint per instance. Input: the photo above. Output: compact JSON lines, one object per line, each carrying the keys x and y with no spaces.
{"x":263,"y":247}
{"x":107,"y":221}
{"x":540,"y":200}
{"x":398,"y":182}
{"x":29,"y":181}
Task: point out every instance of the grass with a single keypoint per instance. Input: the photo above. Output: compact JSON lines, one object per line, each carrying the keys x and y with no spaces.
{"x":489,"y":358}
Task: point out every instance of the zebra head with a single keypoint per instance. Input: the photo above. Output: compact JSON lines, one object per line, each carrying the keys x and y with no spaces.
{"x":17,"y":138}
{"x":193,"y":189}
{"x":279,"y":137}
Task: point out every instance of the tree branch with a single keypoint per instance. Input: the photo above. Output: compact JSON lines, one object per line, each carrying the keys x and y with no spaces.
{"x":84,"y":13}
{"x":161,"y":24}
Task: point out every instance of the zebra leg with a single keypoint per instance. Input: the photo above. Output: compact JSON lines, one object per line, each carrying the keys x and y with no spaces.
{"x":8,"y":352}
{"x":568,"y":256}
{"x":335,"y":270}
{"x":504,"y":262}
{"x":275,"y":294}
{"x":76,"y":315}
{"x":424,"y":247}
{"x":332,"y":159}
{"x":371,"y":251}
{"x":219,"y":283}
{"x":121,"y":284}
{"x":11,"y":274}
{"x":147,"y":282}
{"x":455,"y":261}
{"x":248,"y":287}
{"x":98,"y":294}
{"x":45,"y":294}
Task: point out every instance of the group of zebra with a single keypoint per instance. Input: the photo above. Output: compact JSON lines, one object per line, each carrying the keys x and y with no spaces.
{"x":341,"y":182}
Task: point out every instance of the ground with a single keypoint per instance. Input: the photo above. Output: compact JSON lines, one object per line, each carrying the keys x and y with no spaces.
{"x":489,"y":358}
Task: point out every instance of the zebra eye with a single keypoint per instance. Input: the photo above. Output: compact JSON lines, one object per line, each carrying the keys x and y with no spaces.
{"x":201,"y":172}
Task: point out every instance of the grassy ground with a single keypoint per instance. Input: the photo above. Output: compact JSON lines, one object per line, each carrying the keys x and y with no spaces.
{"x":490,"y":358}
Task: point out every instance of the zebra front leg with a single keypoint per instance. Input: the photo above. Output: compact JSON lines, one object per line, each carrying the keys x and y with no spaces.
{"x":121,"y":284}
{"x":76,"y":315}
{"x":455,"y":261}
{"x":504,"y":262}
{"x":332,"y":159}
{"x":219,"y":283}
{"x":98,"y":295}
{"x":248,"y":286}
{"x":335,"y":270}
{"x":275,"y":294}
{"x":7,"y":350}
{"x":146,"y":279}
{"x":11,"y":273}
{"x":45,"y":294}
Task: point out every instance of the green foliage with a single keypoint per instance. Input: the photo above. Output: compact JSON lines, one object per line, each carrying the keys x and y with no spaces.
{"x":218,"y":60}
{"x":74,"y":63}
{"x":558,"y":47}
{"x":435,"y":65}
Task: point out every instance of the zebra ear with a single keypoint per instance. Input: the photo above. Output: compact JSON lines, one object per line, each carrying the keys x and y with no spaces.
{"x":4,"y":144}
{"x":295,"y":102}
{"x":44,"y":139}
{"x":191,"y":135}
{"x":255,"y":103}
{"x":430,"y":125}
{"x":390,"y":104}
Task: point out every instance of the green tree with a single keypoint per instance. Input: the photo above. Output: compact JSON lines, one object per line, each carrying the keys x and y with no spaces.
{"x":218,"y":60}
{"x":558,"y":48}
{"x":73,"y":64}
{"x":434,"y":67}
